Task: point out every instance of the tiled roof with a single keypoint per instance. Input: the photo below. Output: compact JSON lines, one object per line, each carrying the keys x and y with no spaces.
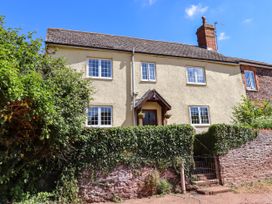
{"x":251,"y":62}
{"x":104,"y":41}
{"x":122,"y":43}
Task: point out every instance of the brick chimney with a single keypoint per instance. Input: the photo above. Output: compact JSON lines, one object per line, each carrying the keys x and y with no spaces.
{"x":206,"y":36}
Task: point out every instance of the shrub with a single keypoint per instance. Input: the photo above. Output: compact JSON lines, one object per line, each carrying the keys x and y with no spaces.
{"x":164,"y":187}
{"x":221,"y":138}
{"x":249,"y":110}
{"x":41,"y":198}
{"x":160,"y":146}
{"x":152,"y":182}
{"x":155,"y":185}
{"x":262,"y":122}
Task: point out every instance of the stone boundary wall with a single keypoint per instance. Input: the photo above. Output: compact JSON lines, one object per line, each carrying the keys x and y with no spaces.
{"x":121,"y":183}
{"x":251,"y":162}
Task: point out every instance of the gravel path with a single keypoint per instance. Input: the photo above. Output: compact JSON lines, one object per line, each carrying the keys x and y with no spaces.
{"x":224,"y":198}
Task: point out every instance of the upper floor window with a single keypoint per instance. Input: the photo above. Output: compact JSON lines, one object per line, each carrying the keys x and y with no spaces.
{"x":250,"y":80}
{"x":100,"y":68}
{"x":196,"y":75}
{"x":148,"y":71}
{"x":199,"y":115}
{"x":100,"y":116}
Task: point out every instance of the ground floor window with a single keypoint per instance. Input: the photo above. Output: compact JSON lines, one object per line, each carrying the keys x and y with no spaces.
{"x":199,"y":115}
{"x":100,"y":116}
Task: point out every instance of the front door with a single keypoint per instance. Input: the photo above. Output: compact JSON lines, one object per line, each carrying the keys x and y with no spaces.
{"x":150,"y":117}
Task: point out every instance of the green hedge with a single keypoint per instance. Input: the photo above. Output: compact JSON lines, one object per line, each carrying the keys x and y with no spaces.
{"x":221,"y":138}
{"x":160,"y":146}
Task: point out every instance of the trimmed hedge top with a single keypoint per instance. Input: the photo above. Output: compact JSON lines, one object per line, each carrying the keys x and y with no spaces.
{"x":104,"y":149}
{"x":221,"y":138}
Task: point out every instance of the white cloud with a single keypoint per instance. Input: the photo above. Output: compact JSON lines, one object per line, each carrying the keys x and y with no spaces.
{"x":223,"y":36}
{"x":151,"y":2}
{"x":194,"y":10}
{"x":247,"y":21}
{"x":146,"y":3}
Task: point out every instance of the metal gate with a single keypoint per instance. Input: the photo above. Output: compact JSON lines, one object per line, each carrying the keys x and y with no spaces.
{"x":204,"y":168}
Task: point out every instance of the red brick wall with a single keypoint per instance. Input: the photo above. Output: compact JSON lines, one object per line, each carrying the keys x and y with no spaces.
{"x":263,"y":81}
{"x":251,"y":162}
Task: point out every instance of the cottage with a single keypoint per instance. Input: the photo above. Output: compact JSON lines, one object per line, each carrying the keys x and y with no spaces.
{"x":148,"y":82}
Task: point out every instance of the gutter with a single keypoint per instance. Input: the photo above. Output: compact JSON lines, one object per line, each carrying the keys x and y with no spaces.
{"x":255,"y":65}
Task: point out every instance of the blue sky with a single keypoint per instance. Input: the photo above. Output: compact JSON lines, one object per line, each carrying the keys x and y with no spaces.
{"x":244,"y":28}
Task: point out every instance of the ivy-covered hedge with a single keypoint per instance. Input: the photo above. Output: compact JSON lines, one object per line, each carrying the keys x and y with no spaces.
{"x":221,"y":138}
{"x":160,"y":146}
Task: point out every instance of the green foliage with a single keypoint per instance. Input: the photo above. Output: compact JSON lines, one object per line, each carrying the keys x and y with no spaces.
{"x":164,"y":187}
{"x":42,"y":109}
{"x":160,"y":146}
{"x":152,"y":182}
{"x":263,"y":122}
{"x":41,"y":198}
{"x":221,"y":138}
{"x":248,"y":111}
{"x":67,"y":188}
{"x":155,"y":185}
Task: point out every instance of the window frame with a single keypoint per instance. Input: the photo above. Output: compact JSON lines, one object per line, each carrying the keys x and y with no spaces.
{"x":99,"y":116}
{"x":99,"y":69}
{"x":148,"y":72}
{"x":254,"y":78}
{"x":196,"y":83}
{"x":199,"y":115}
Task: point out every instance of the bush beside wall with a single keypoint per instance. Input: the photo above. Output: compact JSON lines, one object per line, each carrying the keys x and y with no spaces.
{"x":221,"y":138}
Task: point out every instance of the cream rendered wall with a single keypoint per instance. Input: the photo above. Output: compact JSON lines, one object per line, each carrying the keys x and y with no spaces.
{"x":113,"y":92}
{"x":223,"y":90}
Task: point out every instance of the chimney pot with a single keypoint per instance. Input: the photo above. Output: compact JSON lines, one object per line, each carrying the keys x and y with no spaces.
{"x":203,"y":20}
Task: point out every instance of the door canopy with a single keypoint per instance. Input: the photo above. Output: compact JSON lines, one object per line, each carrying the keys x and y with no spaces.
{"x":153,"y":96}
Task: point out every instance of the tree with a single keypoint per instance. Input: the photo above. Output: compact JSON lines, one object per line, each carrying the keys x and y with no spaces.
{"x":42,"y":111}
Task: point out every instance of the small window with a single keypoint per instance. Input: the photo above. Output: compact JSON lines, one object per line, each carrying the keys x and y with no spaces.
{"x":250,"y":80}
{"x":196,"y":75}
{"x":100,"y":116}
{"x":100,"y":68}
{"x":199,"y":115}
{"x":148,"y":72}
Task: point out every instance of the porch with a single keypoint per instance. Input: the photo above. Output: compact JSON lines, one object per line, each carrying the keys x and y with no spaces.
{"x":152,"y":109}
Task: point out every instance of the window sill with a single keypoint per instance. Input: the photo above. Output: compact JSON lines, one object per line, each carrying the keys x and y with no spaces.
{"x":100,"y":78}
{"x":252,"y":90}
{"x":196,"y":84}
{"x":148,"y":81}
{"x":91,"y":126}
{"x":201,"y":125}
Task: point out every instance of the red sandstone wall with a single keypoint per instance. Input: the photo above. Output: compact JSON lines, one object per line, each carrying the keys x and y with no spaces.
{"x":251,"y":162}
{"x":123,"y":182}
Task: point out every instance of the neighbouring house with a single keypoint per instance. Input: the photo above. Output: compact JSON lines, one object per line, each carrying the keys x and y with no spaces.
{"x":148,"y":82}
{"x":257,"y":78}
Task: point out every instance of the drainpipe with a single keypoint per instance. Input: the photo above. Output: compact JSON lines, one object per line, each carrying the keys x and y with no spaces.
{"x":133,"y":94}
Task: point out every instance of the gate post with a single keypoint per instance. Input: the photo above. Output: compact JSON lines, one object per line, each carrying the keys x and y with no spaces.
{"x":218,"y":170}
{"x":182,"y":178}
